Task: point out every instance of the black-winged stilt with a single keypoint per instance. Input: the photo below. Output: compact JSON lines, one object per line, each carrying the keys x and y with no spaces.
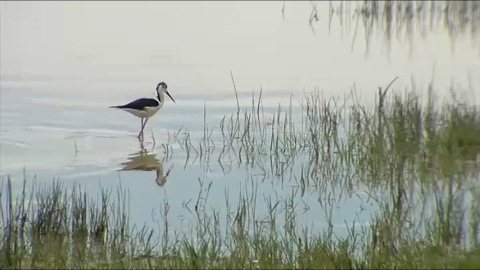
{"x":146,"y":107}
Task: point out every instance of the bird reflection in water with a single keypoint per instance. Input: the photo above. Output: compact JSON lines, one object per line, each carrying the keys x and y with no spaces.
{"x":144,"y":160}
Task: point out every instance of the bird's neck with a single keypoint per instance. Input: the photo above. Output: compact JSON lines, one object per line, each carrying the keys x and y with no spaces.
{"x":160,"y":96}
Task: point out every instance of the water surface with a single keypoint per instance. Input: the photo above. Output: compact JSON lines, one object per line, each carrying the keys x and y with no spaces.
{"x":64,"y":63}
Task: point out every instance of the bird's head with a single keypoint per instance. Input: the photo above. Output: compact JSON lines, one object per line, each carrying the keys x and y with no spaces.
{"x":162,"y":88}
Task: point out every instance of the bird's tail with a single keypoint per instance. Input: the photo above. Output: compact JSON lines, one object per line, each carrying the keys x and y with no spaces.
{"x":114,"y":107}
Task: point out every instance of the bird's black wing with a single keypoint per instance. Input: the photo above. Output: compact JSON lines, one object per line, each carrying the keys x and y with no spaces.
{"x":139,"y":104}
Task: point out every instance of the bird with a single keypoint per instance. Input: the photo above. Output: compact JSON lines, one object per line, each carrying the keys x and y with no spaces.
{"x":144,"y":108}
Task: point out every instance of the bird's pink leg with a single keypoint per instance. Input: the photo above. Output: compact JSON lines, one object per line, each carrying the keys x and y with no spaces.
{"x":144,"y":124}
{"x":141,"y":129}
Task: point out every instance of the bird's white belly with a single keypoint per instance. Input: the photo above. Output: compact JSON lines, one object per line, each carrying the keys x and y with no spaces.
{"x":147,"y":112}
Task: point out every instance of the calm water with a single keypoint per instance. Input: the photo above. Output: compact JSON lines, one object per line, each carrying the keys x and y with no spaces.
{"x":64,"y":63}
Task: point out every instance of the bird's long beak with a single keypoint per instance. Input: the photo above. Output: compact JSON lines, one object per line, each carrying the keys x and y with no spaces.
{"x":171,"y":97}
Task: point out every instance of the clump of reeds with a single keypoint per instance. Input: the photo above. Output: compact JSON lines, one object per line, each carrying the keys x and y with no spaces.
{"x":402,"y":20}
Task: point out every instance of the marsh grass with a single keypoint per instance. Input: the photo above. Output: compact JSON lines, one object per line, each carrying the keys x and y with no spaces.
{"x":402,"y":20}
{"x":416,"y":157}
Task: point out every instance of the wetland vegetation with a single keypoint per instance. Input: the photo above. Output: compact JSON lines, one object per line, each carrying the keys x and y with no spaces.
{"x":401,"y":20}
{"x":417,"y":156}
{"x":407,"y":154}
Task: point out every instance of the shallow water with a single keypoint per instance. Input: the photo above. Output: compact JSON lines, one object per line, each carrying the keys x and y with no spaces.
{"x":58,"y":79}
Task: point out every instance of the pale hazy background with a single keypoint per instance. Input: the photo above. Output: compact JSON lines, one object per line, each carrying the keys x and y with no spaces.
{"x":120,"y":49}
